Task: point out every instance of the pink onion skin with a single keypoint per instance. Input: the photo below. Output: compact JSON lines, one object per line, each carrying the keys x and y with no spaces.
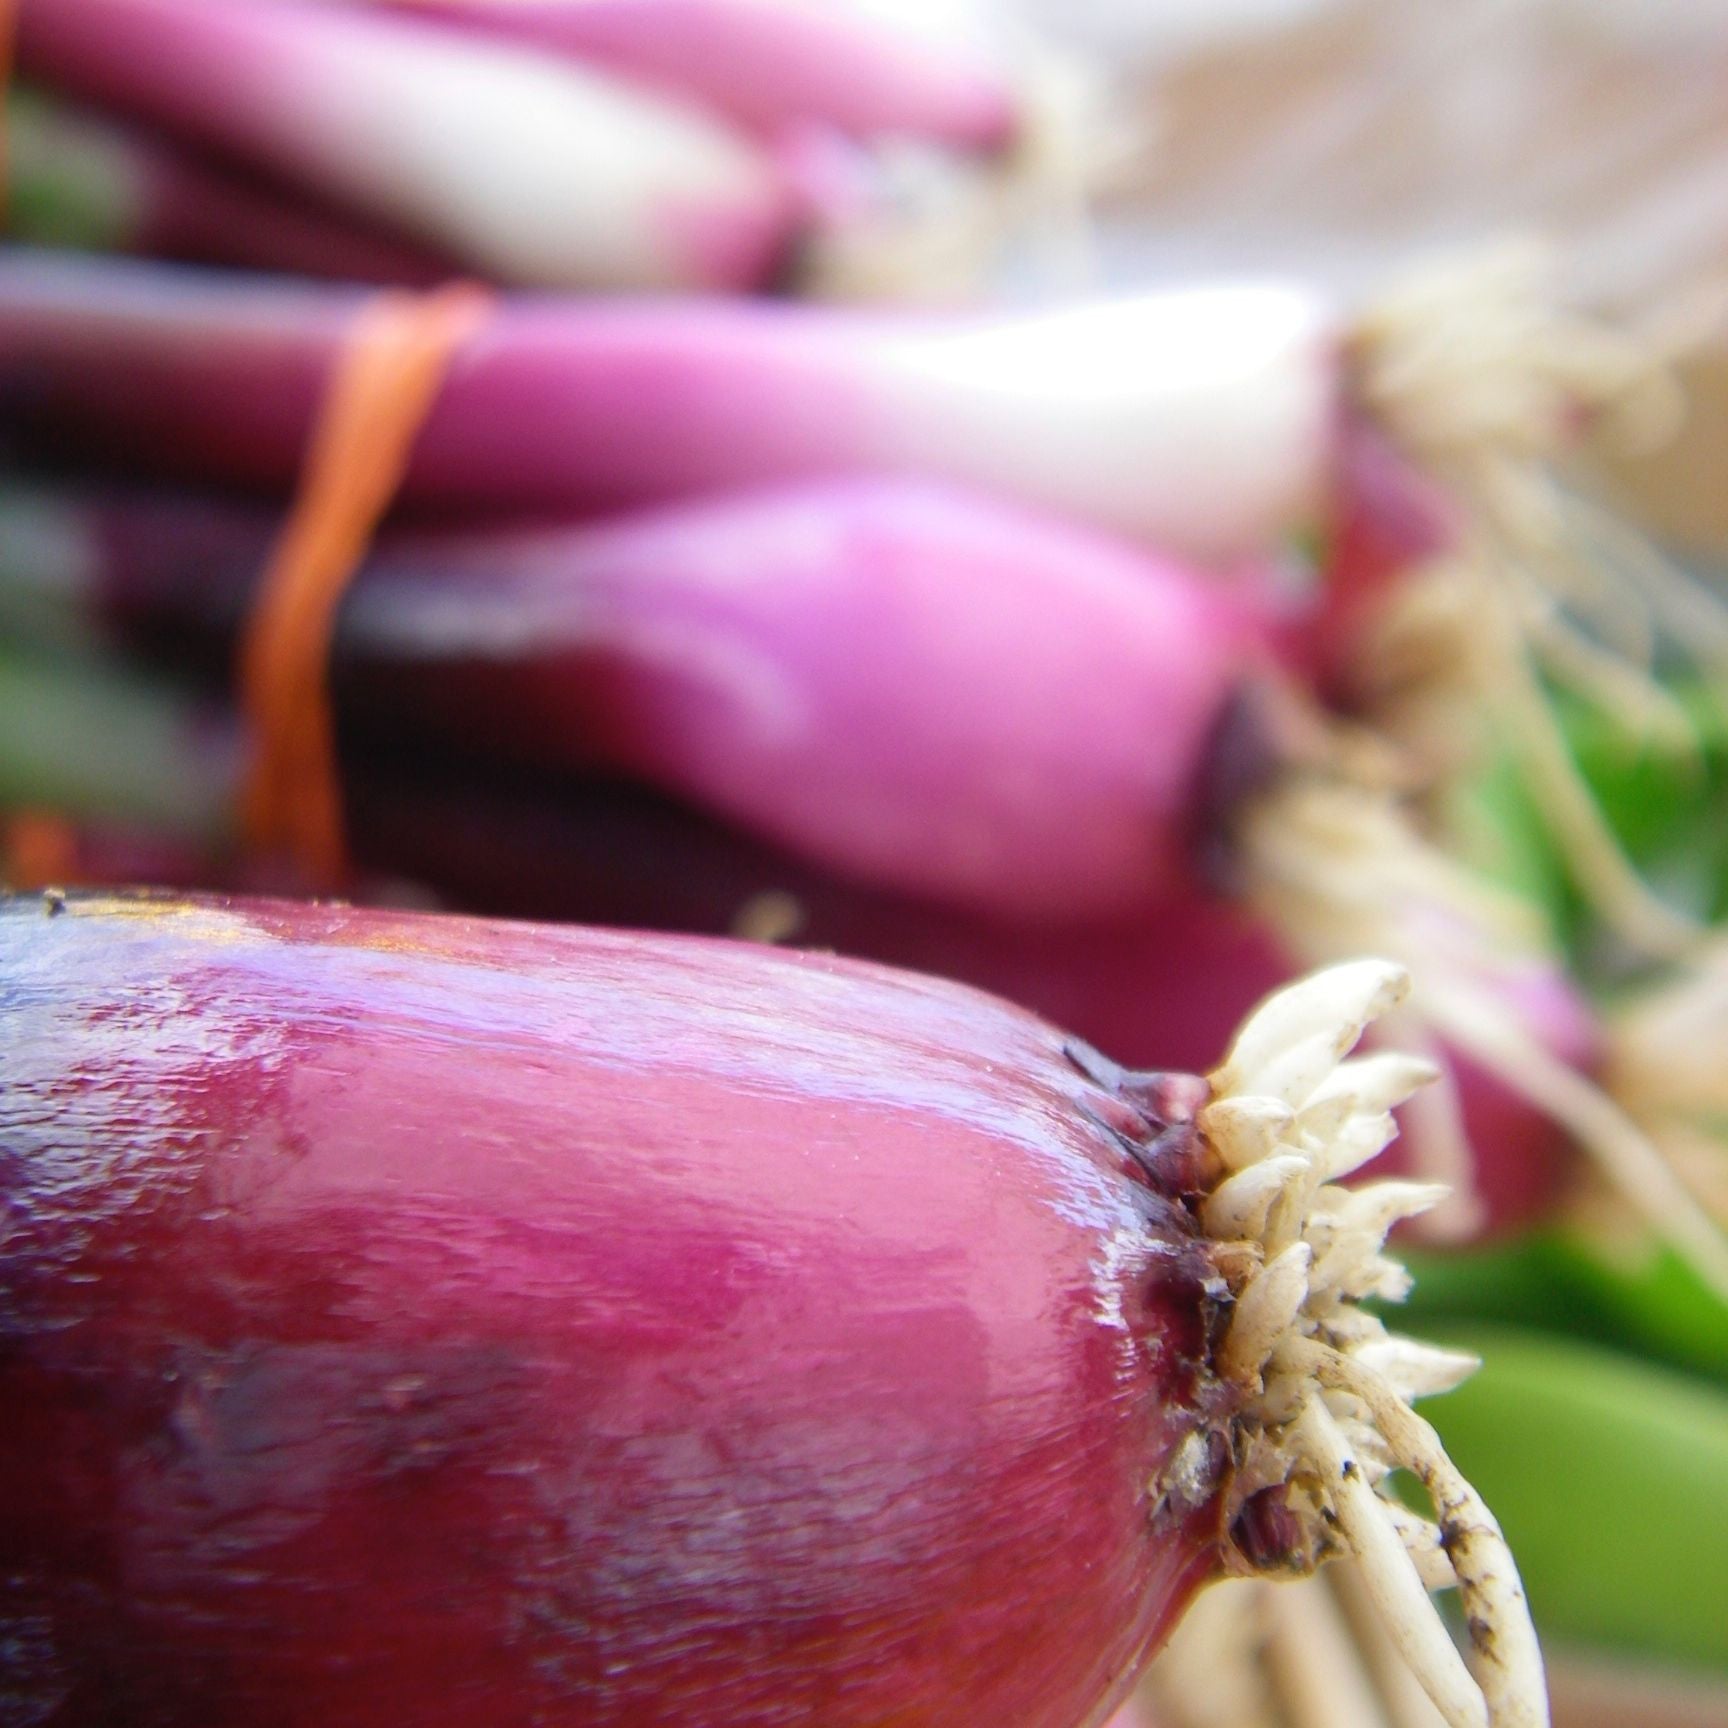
{"x":1165,"y":986}
{"x":1176,"y":979}
{"x":1200,"y":421}
{"x":553,"y":407}
{"x":181,"y":205}
{"x":456,"y":1323}
{"x":908,"y":685}
{"x":203,"y":216}
{"x":1136,"y":1713}
{"x":637,"y":192}
{"x":766,"y":64}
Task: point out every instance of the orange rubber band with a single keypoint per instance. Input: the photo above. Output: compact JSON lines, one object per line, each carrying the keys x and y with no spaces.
{"x":38,"y":849}
{"x":386,"y":379}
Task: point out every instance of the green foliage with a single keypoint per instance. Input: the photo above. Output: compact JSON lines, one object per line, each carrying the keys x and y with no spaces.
{"x":1610,"y":1478}
{"x":1667,"y":806}
{"x":1647,"y":1303}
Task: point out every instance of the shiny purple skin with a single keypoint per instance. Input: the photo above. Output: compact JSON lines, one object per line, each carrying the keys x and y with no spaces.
{"x":410,"y":1320}
{"x":1167,"y":985}
{"x":907,"y":684}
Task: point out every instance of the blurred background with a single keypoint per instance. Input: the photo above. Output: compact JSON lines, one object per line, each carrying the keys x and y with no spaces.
{"x":1115,"y":503}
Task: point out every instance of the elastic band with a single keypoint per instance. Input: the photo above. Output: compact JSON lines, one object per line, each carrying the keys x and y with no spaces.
{"x":38,"y":849}
{"x":387,"y":377}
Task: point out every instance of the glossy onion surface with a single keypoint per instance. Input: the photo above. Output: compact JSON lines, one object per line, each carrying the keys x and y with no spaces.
{"x":441,"y":1322}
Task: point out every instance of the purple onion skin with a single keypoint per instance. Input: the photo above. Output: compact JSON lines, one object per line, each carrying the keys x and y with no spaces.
{"x":557,"y":404}
{"x":188,"y":207}
{"x":912,"y":687}
{"x":1166,"y":986}
{"x":201,"y":214}
{"x":448,"y":1322}
{"x":1098,"y":411}
{"x":344,"y":103}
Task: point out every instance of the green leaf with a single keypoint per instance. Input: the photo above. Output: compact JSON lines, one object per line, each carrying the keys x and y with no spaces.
{"x":1610,"y":1478}
{"x":1650,"y":1304}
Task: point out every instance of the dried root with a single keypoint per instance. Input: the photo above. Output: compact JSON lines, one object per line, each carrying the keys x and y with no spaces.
{"x":1338,"y":868}
{"x":1476,"y":375}
{"x":1325,"y":1415}
{"x":1665,"y":1068}
{"x":1311,"y":1653}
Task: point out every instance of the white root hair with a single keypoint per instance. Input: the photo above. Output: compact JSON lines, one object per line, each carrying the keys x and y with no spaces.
{"x":1337,"y":868}
{"x":1664,"y":1068}
{"x":1318,"y":1672}
{"x":1472,"y":370}
{"x":1636,"y":1163}
{"x":1325,"y":1387}
{"x":1388,"y":1570}
{"x":1303,"y":1653}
